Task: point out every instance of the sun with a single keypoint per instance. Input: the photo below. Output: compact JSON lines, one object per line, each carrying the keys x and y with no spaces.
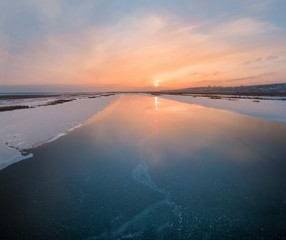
{"x":156,"y":84}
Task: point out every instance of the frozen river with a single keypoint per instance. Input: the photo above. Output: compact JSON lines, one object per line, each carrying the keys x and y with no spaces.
{"x":151,"y":168}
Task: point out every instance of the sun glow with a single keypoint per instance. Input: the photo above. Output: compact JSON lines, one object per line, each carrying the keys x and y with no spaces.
{"x":156,"y":84}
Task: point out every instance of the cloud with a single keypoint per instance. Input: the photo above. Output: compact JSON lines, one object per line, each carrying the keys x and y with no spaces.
{"x":245,"y":27}
{"x":262,"y":59}
{"x":140,"y":48}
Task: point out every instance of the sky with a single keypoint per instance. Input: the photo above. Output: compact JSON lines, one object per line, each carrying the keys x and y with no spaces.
{"x":114,"y":45}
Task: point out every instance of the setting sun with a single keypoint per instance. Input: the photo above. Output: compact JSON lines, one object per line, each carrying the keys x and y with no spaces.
{"x":151,"y":119}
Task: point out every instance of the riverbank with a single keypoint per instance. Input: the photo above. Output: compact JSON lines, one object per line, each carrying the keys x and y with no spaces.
{"x":43,"y":121}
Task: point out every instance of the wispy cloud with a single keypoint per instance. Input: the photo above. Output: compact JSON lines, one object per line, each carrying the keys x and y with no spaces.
{"x":261,"y":59}
{"x":142,"y":47}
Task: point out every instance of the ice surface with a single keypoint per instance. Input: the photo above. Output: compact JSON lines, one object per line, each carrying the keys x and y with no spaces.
{"x":271,"y":110}
{"x":26,"y":128}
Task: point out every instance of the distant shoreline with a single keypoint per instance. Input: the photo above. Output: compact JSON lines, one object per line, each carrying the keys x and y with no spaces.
{"x":237,"y":94}
{"x":265,"y":90}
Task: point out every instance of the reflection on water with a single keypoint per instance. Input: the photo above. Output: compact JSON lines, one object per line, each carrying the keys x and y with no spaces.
{"x":156,"y":103}
{"x":137,"y":171}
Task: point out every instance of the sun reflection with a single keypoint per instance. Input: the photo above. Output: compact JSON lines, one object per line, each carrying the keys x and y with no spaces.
{"x":156,"y":103}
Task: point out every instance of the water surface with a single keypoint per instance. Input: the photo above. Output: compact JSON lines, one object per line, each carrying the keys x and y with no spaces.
{"x":151,"y":168}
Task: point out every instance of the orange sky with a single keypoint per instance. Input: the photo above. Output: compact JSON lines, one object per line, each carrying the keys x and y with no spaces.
{"x":145,"y":48}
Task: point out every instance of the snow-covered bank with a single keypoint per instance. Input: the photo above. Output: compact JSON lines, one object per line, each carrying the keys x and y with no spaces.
{"x":271,"y":110}
{"x":26,"y":128}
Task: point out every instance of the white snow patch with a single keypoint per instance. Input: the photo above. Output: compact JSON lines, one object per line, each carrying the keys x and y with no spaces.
{"x":30,"y":102}
{"x":271,"y":110}
{"x":27,"y":128}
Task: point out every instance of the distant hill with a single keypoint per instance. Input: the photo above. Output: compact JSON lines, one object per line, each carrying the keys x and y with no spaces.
{"x":278,"y":89}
